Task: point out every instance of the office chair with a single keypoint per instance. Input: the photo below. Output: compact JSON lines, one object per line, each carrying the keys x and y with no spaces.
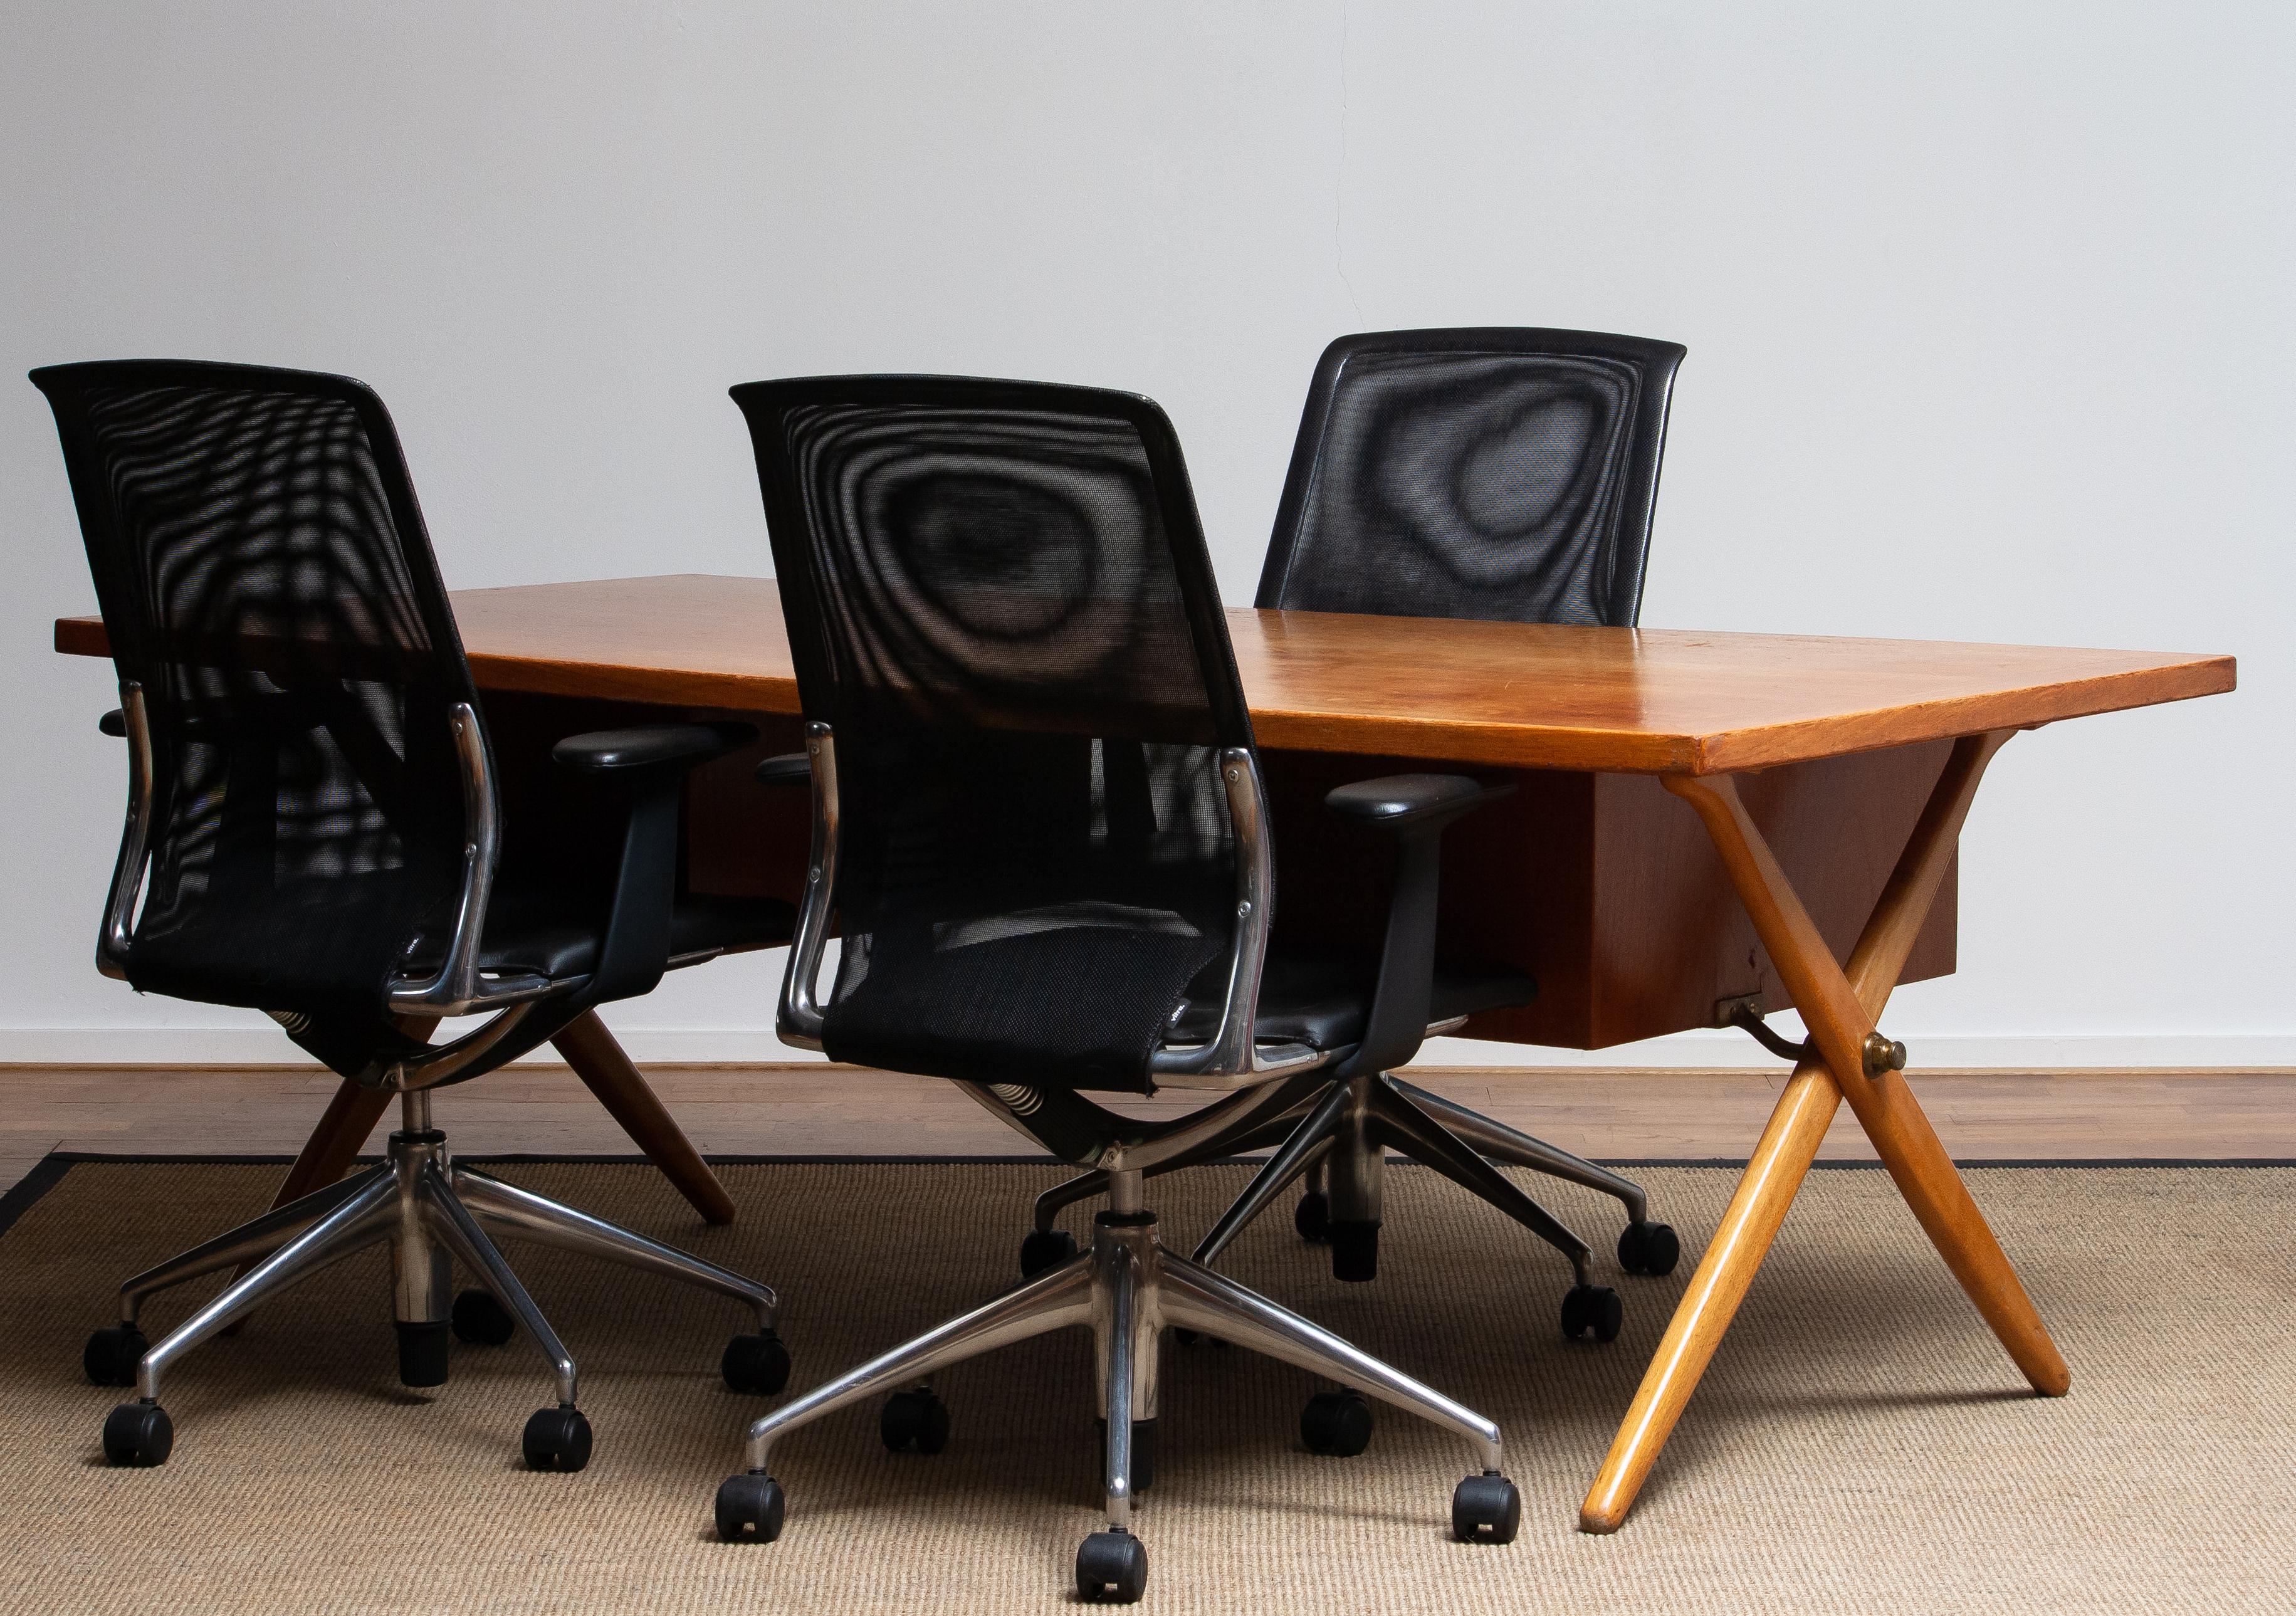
{"x":314,"y":829}
{"x":1038,"y":821}
{"x":1501,"y":474}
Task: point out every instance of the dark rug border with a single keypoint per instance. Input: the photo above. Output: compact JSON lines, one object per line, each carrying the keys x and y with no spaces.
{"x":23,"y":1194}
{"x":49,"y":1171}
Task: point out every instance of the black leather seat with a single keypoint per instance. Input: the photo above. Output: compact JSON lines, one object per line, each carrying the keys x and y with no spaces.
{"x":556,"y":933}
{"x":1323,"y":1002}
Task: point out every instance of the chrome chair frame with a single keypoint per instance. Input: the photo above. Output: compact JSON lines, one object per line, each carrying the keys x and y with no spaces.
{"x":428,"y":1208}
{"x":1128,"y":1288}
{"x":424,"y":1205}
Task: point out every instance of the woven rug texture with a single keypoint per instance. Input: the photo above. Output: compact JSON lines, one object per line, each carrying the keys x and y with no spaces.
{"x":1862,"y":1444}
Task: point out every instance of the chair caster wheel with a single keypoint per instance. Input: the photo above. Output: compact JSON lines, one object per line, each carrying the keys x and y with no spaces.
{"x":557,"y":1439}
{"x":138,"y":1434}
{"x":1486,"y":1509}
{"x":1143,"y":1452}
{"x":1046,"y":1249}
{"x":914,"y":1419}
{"x":482,"y":1321}
{"x":1112,"y":1567}
{"x":1591,"y":1309}
{"x":1648,"y":1247}
{"x":758,"y":1364}
{"x":749,"y":1508}
{"x":1313,"y":1217}
{"x":1355,"y":1250}
{"x":1337,"y":1423}
{"x":112,"y":1355}
{"x":422,"y":1354}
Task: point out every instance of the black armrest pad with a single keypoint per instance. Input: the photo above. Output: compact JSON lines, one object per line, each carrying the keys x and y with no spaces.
{"x":791,"y":769}
{"x":1404,"y":800}
{"x":685,"y":745}
{"x":114,"y":724}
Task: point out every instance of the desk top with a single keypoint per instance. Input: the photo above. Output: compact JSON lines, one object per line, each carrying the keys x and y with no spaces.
{"x":1647,"y":700}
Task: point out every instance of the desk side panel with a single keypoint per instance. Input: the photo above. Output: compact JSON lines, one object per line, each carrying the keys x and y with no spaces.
{"x":560,"y":830}
{"x":1671,"y":939}
{"x":744,"y":840}
{"x":1518,"y":881}
{"x":1603,"y":888}
{"x":741,"y":839}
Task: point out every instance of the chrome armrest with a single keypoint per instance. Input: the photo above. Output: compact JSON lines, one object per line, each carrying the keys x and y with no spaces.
{"x":456,"y":988}
{"x":1231,"y":1051}
{"x":112,"y":942}
{"x":798,"y":1020}
{"x":1270,"y":1061}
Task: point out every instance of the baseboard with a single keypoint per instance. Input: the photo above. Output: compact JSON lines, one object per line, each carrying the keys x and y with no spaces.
{"x":1947,"y":1052}
{"x":263,"y":1046}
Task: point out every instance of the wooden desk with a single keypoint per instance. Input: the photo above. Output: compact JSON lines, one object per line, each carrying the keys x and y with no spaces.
{"x":1829,"y":780}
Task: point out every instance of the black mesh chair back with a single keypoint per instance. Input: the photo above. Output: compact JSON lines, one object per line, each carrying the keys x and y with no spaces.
{"x":1000,"y":604}
{"x":270,"y":596}
{"x":313,"y":828}
{"x":1474,"y":473}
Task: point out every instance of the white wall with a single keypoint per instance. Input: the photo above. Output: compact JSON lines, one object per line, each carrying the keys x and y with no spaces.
{"x":1987,"y":307}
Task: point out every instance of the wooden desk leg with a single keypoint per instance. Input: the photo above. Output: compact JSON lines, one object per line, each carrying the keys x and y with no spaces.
{"x":1781,"y":1161}
{"x":621,"y":1089}
{"x":596,"y":1059}
{"x":1840,"y":1007}
{"x":334,"y":1144}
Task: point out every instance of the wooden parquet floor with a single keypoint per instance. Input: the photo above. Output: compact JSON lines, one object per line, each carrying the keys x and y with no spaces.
{"x":827,"y":1110}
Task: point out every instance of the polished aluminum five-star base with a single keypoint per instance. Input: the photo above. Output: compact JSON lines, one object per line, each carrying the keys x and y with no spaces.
{"x":1344,"y":1139}
{"x":1338,"y":1144}
{"x":1127,"y":1289}
{"x":428,"y":1208}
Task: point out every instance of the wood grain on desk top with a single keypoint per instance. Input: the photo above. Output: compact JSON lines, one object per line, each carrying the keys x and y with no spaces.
{"x":1525,"y":695}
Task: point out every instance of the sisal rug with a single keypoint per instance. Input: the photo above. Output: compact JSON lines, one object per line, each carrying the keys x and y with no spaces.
{"x":1861,"y":1445}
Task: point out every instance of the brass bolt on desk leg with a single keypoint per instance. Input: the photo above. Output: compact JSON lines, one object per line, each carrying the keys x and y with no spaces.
{"x":1883,"y":1056}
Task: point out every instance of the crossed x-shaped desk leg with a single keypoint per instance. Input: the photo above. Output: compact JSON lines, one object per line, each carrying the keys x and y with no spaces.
{"x":1840,"y":1007}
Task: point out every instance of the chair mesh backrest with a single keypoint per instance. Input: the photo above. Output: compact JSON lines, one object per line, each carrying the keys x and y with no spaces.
{"x":997,"y":594}
{"x":1503,"y":474}
{"x":264,"y":577}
